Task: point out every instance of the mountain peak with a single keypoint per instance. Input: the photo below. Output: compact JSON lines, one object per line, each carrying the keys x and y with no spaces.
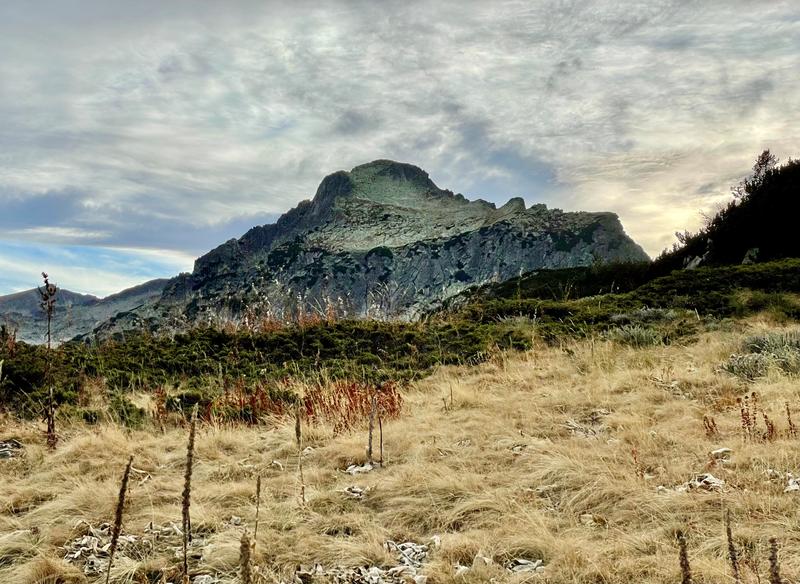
{"x":397,"y":171}
{"x":380,"y":181}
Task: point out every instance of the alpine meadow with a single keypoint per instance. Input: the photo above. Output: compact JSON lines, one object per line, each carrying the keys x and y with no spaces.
{"x":543,"y":326}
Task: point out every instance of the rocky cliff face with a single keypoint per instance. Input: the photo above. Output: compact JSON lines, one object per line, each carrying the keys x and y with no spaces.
{"x":380,"y":241}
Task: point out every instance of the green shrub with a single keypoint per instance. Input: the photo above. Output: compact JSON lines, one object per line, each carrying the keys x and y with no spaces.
{"x":126,"y":412}
{"x":779,"y":350}
{"x":777,"y":343}
{"x":634,"y":335}
{"x":748,"y":366}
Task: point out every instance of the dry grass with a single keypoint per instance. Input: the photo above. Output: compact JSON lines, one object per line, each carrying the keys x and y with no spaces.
{"x":531,"y":458}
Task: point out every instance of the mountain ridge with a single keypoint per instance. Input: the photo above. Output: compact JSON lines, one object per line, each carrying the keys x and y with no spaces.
{"x":379,"y":241}
{"x":21,"y":311}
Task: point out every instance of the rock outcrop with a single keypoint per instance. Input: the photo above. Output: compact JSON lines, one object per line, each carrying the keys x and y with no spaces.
{"x":379,"y":241}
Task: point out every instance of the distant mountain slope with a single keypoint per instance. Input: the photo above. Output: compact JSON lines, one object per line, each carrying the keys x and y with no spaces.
{"x":75,"y":313}
{"x":759,"y":224}
{"x":380,"y":241}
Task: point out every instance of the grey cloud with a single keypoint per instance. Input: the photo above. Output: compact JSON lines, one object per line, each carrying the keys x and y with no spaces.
{"x":209,"y":117}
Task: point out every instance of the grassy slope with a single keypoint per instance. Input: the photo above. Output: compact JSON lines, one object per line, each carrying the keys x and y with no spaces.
{"x":452,"y":473}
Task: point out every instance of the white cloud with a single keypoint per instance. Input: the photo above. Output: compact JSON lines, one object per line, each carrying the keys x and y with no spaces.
{"x":170,"y":126}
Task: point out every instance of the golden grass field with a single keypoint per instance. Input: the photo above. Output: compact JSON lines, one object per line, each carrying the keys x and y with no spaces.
{"x":530,"y":455}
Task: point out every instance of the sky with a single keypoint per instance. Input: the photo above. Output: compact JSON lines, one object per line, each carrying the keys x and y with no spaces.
{"x":135,"y":136}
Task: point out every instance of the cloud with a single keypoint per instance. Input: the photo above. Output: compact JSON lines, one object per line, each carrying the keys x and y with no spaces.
{"x":87,"y":270}
{"x":171,"y":127}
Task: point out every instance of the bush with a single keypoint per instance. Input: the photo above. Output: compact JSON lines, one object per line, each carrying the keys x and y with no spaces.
{"x":645,"y":314}
{"x":749,"y":366}
{"x":777,"y":343}
{"x":634,"y":335}
{"x":125,"y":412}
{"x":762,"y":352}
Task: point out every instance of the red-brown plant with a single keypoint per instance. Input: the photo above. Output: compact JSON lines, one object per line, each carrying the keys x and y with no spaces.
{"x":347,"y":405}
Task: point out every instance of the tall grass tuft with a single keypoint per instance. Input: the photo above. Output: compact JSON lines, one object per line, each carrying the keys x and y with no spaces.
{"x":245,"y":571}
{"x":187,"y":494}
{"x":732,"y":555}
{"x":123,"y":488}
{"x":774,"y":565}
{"x":683,"y":558}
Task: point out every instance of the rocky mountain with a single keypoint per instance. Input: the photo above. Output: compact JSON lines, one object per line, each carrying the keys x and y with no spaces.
{"x":75,"y":313}
{"x":379,"y":241}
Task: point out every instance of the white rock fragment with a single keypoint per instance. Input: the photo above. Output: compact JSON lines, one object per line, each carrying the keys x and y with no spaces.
{"x":355,"y":469}
{"x":355,"y":492}
{"x":704,"y":482}
{"x":520,"y":565}
{"x":10,"y":448}
{"x":577,"y":429}
{"x":793,"y":483}
{"x":722,"y":454}
{"x":410,"y":557}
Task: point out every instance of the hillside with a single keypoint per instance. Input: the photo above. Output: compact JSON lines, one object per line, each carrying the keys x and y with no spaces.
{"x":758,"y":224}
{"x":588,"y":457}
{"x":75,"y":313}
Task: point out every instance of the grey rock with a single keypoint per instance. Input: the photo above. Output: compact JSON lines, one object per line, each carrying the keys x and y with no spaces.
{"x":10,"y":448}
{"x":381,"y":241}
{"x":750,"y":256}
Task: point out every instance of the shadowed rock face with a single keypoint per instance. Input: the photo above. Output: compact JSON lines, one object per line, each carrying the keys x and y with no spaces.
{"x":383,"y":241}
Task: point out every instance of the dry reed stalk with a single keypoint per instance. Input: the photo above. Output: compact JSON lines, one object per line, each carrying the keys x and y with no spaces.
{"x":187,"y":493}
{"x":745,"y":418}
{"x":792,"y":432}
{"x":774,"y":565}
{"x":47,"y":301}
{"x":258,"y":507}
{"x":244,"y":560}
{"x":710,"y":427}
{"x":298,"y":436}
{"x":683,"y":557}
{"x":637,"y":465}
{"x":298,"y":431}
{"x":732,"y":555}
{"x":372,"y":412}
{"x":302,"y":478}
{"x":769,"y":434}
{"x":123,"y":488}
{"x":380,"y":433}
